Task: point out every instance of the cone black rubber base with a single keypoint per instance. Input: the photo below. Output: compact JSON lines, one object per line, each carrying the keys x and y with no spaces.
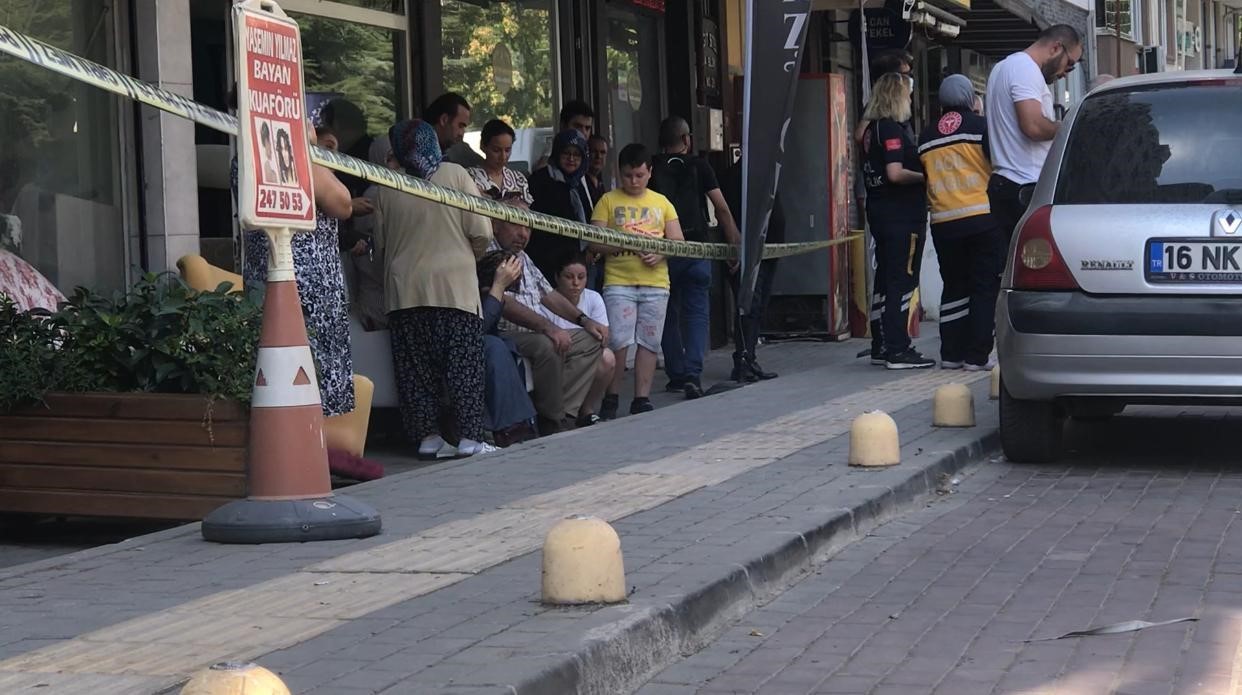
{"x":291,"y":521}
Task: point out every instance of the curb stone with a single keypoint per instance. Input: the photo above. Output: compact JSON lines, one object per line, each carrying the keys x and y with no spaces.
{"x":620,"y":654}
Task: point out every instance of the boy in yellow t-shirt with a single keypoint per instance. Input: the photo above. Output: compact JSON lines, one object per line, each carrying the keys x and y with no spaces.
{"x":635,"y":284}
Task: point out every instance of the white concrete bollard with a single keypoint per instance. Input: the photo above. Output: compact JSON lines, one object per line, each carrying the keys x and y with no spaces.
{"x":994,"y":389}
{"x":582,"y":563}
{"x":235,"y":678}
{"x":953,"y":406}
{"x":874,"y":441}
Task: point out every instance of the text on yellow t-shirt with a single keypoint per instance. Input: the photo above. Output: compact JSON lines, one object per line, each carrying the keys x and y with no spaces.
{"x":643,"y":214}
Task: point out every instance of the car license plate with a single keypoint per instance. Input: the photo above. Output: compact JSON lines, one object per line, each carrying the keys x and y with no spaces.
{"x":1194,"y":260}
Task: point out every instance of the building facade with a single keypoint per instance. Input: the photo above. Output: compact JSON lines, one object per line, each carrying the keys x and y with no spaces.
{"x":1142,"y":36}
{"x":98,"y":188}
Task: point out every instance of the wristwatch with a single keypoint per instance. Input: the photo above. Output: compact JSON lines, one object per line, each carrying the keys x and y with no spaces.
{"x":581,"y":319}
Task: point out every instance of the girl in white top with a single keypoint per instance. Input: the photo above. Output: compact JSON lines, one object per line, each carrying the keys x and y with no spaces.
{"x":571,"y":282}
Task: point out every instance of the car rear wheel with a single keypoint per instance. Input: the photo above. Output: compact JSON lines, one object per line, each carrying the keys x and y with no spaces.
{"x":1030,"y":430}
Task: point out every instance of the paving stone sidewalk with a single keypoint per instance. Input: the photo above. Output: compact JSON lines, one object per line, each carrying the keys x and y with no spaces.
{"x":446,"y":599}
{"x":1141,"y":523}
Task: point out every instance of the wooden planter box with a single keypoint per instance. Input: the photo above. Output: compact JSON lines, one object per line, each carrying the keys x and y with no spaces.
{"x":141,"y":455}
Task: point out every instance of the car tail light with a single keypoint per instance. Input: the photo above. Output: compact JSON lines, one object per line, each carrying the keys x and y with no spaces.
{"x":1037,"y":263}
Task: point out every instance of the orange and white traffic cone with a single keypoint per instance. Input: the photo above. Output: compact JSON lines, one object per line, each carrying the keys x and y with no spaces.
{"x":290,"y":496}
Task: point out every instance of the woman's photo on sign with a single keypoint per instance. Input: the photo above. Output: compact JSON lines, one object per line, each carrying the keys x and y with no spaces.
{"x":267,"y":153}
{"x":284,"y":155}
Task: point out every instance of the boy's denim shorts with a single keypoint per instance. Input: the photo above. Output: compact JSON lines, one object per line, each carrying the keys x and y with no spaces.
{"x":635,"y":315}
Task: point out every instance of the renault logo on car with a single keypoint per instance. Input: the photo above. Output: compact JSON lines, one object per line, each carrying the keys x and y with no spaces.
{"x":1228,"y":221}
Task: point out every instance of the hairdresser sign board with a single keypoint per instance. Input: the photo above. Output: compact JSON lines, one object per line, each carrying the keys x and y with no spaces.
{"x":274,"y":176}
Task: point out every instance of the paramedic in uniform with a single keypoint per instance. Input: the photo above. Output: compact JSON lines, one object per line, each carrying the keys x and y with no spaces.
{"x":969,"y":242}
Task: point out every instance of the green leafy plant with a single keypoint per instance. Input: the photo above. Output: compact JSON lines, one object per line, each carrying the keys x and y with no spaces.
{"x":160,"y":336}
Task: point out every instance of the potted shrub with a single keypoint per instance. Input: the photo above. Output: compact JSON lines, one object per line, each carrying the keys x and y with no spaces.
{"x":129,"y":405}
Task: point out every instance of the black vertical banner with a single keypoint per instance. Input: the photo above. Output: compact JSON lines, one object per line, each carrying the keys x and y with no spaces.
{"x":775,"y":36}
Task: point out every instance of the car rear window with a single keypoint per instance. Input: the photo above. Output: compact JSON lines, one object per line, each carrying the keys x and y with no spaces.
{"x":1157,"y":145}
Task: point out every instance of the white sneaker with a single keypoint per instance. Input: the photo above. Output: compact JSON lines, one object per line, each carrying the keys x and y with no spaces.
{"x":431,"y":446}
{"x":982,"y":367}
{"x":947,"y":364}
{"x":448,"y":451}
{"x":467,"y":447}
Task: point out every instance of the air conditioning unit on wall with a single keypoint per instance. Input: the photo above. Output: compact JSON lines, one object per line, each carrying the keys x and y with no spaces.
{"x":1151,"y":58}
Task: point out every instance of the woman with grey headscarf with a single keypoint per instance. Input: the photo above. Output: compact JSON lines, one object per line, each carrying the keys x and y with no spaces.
{"x":969,"y":241}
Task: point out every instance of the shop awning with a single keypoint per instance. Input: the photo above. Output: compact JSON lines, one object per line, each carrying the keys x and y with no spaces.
{"x":997,"y":28}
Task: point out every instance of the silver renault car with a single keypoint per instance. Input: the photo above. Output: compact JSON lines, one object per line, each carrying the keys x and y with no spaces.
{"x":1124,"y":278}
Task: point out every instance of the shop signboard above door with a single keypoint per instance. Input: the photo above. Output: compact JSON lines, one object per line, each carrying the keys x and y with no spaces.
{"x":885,"y":29}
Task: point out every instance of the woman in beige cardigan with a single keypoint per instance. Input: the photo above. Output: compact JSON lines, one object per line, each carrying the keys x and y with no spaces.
{"x":431,"y":295}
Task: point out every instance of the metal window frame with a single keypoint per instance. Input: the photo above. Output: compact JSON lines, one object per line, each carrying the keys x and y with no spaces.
{"x":349,"y":13}
{"x":128,"y":137}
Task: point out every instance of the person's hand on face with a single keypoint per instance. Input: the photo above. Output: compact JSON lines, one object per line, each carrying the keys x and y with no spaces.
{"x":508,"y":271}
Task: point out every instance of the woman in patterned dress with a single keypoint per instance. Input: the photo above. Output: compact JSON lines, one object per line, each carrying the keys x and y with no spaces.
{"x":495,"y":179}
{"x":431,"y":294}
{"x":321,"y":287}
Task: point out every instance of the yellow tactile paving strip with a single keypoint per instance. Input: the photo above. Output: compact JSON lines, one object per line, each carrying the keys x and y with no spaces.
{"x":155,"y":651}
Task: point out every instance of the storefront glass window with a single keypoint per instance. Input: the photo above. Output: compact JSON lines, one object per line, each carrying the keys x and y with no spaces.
{"x":634,"y":80}
{"x":500,"y":55}
{"x":60,"y":158}
{"x":359,"y":62}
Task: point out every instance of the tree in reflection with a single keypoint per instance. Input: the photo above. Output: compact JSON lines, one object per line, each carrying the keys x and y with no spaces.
{"x":1115,"y":154}
{"x":471,"y":32}
{"x":354,"y":60}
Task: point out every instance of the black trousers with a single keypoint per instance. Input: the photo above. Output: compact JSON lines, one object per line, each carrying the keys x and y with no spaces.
{"x":1006,"y":206}
{"x":898,"y":255}
{"x":970,"y":267}
{"x":437,"y":356}
{"x":746,"y":327}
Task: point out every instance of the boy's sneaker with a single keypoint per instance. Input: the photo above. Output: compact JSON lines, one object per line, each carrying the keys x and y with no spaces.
{"x":986,"y":367}
{"x":675,"y":386}
{"x":950,"y":364}
{"x":608,"y":408}
{"x":692,"y":390}
{"x":910,"y":359}
{"x":586,"y":420}
{"x":641,"y":405}
{"x":879,"y":358}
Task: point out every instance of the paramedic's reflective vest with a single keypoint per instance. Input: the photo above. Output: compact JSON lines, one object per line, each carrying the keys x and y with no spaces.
{"x":955,"y":160}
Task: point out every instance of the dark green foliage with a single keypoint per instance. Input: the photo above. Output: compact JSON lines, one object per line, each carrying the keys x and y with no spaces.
{"x":159,"y":337}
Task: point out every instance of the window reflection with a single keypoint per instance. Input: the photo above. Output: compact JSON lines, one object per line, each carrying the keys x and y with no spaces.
{"x":60,"y":161}
{"x":634,"y":81}
{"x":501,"y":57}
{"x":356,"y":61}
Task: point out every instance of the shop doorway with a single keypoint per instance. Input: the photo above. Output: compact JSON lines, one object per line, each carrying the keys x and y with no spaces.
{"x":634,"y":63}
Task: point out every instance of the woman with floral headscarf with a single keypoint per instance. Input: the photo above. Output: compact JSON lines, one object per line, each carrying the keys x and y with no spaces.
{"x":431,"y":295}
{"x":558,"y":191}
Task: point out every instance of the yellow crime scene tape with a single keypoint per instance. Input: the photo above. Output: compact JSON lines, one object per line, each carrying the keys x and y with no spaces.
{"x":76,"y":67}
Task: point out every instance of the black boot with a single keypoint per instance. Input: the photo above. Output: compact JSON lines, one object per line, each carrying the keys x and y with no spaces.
{"x":742,"y":371}
{"x":756,"y":370}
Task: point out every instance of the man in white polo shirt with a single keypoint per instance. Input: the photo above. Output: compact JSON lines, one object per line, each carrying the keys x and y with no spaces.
{"x":1021,"y":122}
